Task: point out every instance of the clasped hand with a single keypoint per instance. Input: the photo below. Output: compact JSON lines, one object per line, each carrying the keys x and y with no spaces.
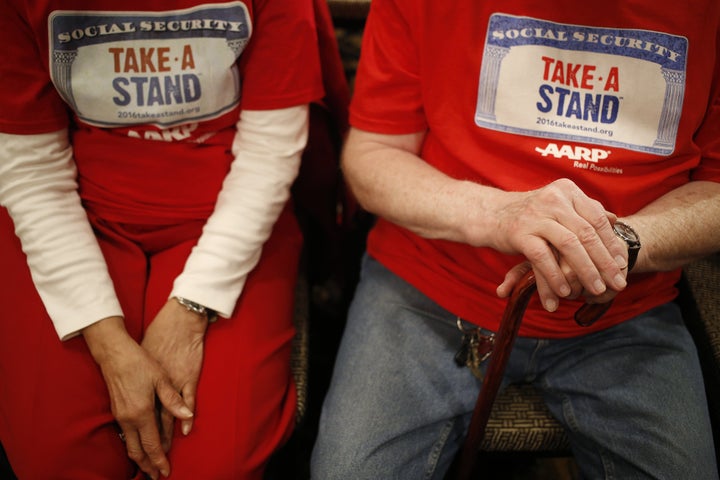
{"x":567,"y":239}
{"x":152,"y":383}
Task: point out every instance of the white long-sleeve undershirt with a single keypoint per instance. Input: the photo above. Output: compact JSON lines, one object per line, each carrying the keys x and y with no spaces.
{"x":38,"y":187}
{"x":267,"y":149}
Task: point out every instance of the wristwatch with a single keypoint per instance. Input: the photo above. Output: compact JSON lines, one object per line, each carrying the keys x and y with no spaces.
{"x":626,"y":232}
{"x":195,"y":307}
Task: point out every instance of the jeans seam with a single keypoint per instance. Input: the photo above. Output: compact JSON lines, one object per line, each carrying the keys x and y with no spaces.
{"x":437,"y":448}
{"x":423,"y":312}
{"x":571,"y":422}
{"x":608,"y":466}
{"x":531,"y":369}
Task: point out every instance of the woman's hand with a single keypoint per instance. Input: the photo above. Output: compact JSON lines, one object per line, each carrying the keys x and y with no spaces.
{"x":176,"y":339}
{"x":134,"y":380}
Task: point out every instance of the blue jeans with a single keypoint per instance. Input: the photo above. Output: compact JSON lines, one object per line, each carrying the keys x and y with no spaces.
{"x":631,"y":397}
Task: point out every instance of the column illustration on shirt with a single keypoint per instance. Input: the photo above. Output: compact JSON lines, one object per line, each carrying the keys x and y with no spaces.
{"x":603,"y":86}
{"x":118,"y":69}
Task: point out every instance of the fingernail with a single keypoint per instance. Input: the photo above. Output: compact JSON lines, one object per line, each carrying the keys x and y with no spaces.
{"x":551,"y":305}
{"x":186,"y":426}
{"x":186,"y":412}
{"x":620,"y":281}
{"x":565,"y":291}
{"x":165,"y":472}
{"x":599,"y":286}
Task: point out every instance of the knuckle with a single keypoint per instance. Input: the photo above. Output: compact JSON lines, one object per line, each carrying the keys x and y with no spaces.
{"x":153,"y":450}
{"x":132,"y":414}
{"x":599,"y":219}
{"x":123,"y":417}
{"x":609,"y":267}
{"x":552,"y":194}
{"x":567,"y":241}
{"x":564,"y":183}
{"x":536,"y":253}
{"x":135,"y":454}
{"x":587,"y":235}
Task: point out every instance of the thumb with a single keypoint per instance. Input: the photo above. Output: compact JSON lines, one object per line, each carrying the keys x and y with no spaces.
{"x":512,"y":277}
{"x":188,"y":394}
{"x":172,"y":401}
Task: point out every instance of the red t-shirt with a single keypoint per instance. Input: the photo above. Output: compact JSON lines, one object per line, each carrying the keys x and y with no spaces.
{"x":516,"y":94}
{"x":152,"y":90}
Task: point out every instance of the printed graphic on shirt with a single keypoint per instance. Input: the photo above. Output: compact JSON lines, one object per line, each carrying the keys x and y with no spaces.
{"x":119,"y":69}
{"x":610,"y":87}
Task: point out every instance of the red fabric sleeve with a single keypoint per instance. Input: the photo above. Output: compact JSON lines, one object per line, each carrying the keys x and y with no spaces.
{"x":708,"y":136}
{"x":28,"y":101}
{"x":281,"y":66}
{"x":388,"y":93}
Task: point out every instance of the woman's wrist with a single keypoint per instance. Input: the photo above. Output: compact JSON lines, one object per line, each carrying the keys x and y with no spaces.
{"x":104,"y":337}
{"x":207,"y":313}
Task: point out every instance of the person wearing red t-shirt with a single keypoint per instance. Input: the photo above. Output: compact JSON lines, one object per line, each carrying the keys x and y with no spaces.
{"x":490,"y":138}
{"x":148,"y":151}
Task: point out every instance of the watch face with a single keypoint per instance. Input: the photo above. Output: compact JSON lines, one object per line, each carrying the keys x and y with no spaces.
{"x":626,"y":232}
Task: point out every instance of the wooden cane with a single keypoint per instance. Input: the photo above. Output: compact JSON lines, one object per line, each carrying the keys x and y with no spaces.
{"x":504,"y":340}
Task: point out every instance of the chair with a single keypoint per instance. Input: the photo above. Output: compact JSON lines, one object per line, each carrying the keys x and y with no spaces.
{"x":300,"y":346}
{"x":520,"y":423}
{"x":349,"y":9}
{"x":700,"y":301}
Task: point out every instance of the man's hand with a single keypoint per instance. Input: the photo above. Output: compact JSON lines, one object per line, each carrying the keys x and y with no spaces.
{"x":134,"y":380}
{"x":547,"y":297}
{"x":568,"y":240}
{"x":553,"y":224}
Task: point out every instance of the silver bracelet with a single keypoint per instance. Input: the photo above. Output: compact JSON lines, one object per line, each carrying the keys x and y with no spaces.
{"x":195,"y":307}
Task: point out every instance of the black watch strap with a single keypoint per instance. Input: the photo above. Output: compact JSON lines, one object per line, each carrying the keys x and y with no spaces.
{"x":631,"y":238}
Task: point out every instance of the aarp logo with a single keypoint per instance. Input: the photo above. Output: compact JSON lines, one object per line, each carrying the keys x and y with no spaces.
{"x":574,"y":152}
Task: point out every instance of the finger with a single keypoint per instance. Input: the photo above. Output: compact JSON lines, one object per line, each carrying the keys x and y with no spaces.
{"x":576,"y":288}
{"x":607,"y":251}
{"x":571,"y":231}
{"x":152,"y":446}
{"x":167,"y":424}
{"x":549,"y":300}
{"x":577,"y":242}
{"x":188,"y":394}
{"x":172,"y":401}
{"x":512,"y":277}
{"x":137,"y":454}
{"x":544,"y":261}
{"x":608,"y":296}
